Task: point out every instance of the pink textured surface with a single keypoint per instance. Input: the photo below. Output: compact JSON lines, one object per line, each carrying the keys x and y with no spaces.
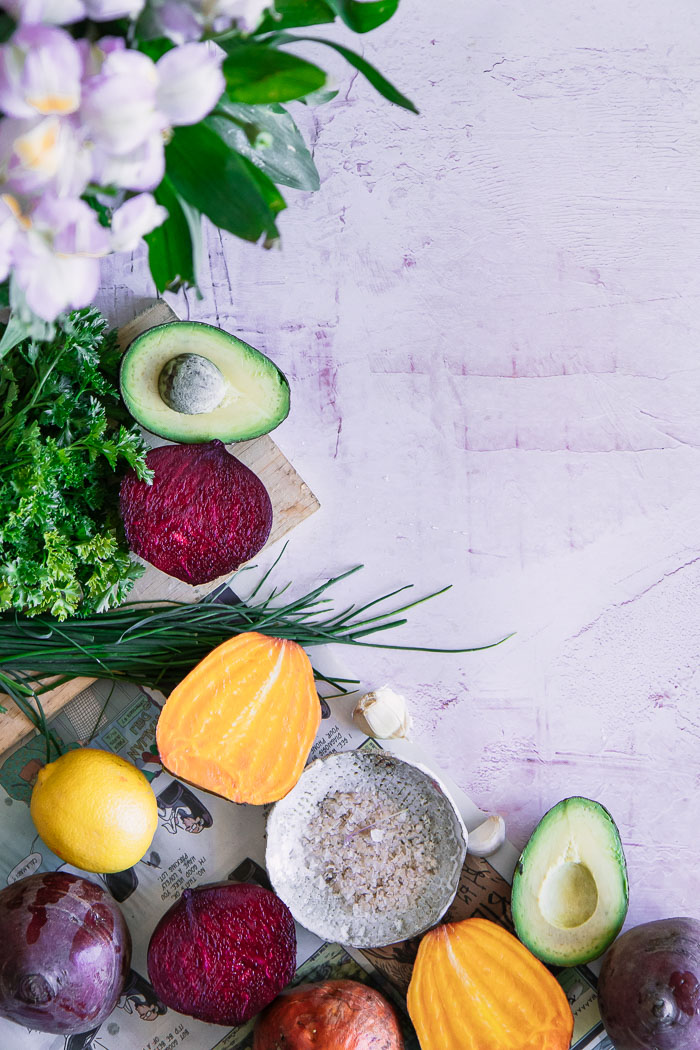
{"x":489,"y":317}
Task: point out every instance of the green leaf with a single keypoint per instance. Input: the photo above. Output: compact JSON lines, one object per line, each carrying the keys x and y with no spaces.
{"x":364,"y":15}
{"x":61,"y":454}
{"x":289,"y":14}
{"x":156,"y":47}
{"x":193,"y":219}
{"x":319,"y":98}
{"x":222,"y":184}
{"x":8,"y":26}
{"x":103,"y":212}
{"x":22,"y":324}
{"x":258,"y":74}
{"x":286,"y":160}
{"x":380,"y":83}
{"x":170,"y":248}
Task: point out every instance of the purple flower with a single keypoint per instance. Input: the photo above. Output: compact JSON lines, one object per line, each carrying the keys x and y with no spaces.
{"x":48,"y":12}
{"x":56,"y":256}
{"x":130,"y":102}
{"x":184,"y":20}
{"x":247,"y":14}
{"x":141,"y":169}
{"x":107,"y":10}
{"x":43,"y":153}
{"x":93,"y":55}
{"x":40,"y":71}
{"x":8,"y":233}
{"x":190,"y":82}
{"x":133,"y":220}
{"x":119,"y":103}
{"x":176,"y":20}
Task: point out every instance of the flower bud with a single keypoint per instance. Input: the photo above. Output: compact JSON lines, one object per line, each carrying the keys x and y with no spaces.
{"x":383,"y":714}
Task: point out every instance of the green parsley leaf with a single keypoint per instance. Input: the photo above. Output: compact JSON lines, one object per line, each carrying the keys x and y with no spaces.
{"x":65,"y":440}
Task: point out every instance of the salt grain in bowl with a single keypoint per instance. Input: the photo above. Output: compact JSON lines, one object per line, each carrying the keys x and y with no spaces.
{"x":366,"y":849}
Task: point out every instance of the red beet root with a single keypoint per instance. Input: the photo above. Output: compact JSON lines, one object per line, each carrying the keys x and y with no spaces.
{"x":64,"y":953}
{"x":203,"y":516}
{"x":223,"y":952}
{"x":649,"y":988}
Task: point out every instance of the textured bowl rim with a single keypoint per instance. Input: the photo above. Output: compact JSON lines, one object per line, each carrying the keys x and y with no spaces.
{"x":385,"y":757}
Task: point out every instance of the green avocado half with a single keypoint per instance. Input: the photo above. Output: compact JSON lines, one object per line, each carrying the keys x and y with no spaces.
{"x":191,"y":382}
{"x":570,"y":890}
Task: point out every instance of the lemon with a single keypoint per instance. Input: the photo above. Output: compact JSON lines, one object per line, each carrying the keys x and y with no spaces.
{"x":94,"y":810}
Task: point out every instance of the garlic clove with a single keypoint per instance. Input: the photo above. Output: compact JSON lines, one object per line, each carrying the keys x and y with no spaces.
{"x":488,"y":837}
{"x":383,"y":714}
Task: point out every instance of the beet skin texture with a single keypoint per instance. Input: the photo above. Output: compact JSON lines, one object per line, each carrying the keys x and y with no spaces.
{"x":65,"y":953}
{"x":223,"y":952}
{"x":204,"y":515}
{"x":649,"y":987}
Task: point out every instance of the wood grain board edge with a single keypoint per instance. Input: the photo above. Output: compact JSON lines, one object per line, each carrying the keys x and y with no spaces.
{"x":292,"y":502}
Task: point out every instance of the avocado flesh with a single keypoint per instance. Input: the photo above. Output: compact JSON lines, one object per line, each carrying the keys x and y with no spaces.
{"x":256,"y":394}
{"x":570,"y":890}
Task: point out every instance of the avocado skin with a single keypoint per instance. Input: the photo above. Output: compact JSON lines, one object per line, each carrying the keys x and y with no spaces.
{"x":582,"y":948}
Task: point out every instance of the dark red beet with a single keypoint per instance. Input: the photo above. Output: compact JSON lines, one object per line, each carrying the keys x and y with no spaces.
{"x":204,"y":515}
{"x":649,"y":988}
{"x":64,"y":953}
{"x":223,"y":952}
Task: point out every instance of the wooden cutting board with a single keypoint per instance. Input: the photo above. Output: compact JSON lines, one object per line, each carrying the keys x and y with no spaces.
{"x":292,"y":502}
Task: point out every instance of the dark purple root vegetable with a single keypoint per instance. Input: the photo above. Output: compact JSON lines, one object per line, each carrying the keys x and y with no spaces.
{"x":204,"y":515}
{"x":223,"y":952}
{"x":649,"y":988}
{"x":64,"y":953}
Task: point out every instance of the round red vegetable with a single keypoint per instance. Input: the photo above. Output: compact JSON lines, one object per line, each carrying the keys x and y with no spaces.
{"x":649,"y":988}
{"x":204,"y":515}
{"x":64,"y":953}
{"x":334,"y":1015}
{"x":223,"y":952}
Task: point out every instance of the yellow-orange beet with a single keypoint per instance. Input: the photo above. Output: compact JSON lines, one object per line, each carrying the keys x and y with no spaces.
{"x":476,"y":987}
{"x":242,"y":723}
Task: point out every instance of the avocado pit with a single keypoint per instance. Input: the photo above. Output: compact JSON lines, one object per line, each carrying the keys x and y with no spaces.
{"x":569,"y":895}
{"x":191,"y":384}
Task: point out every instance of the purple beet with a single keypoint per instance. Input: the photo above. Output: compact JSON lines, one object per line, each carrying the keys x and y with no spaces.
{"x":223,"y":952}
{"x":204,"y":515}
{"x":649,"y":988}
{"x":64,"y":953}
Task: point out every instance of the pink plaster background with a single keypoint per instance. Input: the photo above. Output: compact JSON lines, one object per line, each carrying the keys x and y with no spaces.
{"x":490,"y":317}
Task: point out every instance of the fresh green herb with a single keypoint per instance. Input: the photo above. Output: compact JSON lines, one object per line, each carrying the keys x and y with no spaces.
{"x":63,"y":441}
{"x":157,"y":645}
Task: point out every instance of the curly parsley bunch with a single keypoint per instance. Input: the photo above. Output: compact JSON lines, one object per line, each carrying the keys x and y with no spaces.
{"x":64,"y":441}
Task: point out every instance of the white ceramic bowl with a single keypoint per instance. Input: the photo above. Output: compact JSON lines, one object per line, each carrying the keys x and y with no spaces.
{"x":418,"y":794}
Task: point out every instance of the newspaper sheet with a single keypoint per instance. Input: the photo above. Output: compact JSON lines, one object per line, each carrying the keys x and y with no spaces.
{"x":202,"y":839}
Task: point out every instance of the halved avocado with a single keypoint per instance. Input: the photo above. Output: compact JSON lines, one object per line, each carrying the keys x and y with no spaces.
{"x":191,"y":382}
{"x":570,"y":890}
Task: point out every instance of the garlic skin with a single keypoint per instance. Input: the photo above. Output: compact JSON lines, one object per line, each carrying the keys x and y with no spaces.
{"x":383,"y":714}
{"x":488,"y":837}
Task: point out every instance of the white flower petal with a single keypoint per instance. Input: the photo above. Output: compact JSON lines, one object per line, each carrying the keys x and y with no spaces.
{"x":53,"y":283}
{"x":48,"y":12}
{"x":107,"y":10}
{"x":247,"y":14}
{"x":43,"y":154}
{"x":40,"y":70}
{"x":134,"y":219}
{"x":119,"y":103}
{"x":141,"y":169}
{"x":8,"y":233}
{"x":191,"y":82}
